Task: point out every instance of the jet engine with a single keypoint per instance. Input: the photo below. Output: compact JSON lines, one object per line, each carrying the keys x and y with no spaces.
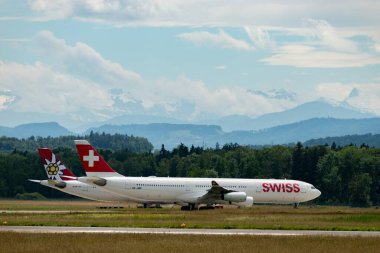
{"x":235,"y":197}
{"x":100,"y":182}
{"x":247,"y":203}
{"x":60,"y":184}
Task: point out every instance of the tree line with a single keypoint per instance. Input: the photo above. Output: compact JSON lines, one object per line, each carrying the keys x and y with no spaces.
{"x":98,"y":140}
{"x":371,"y":140}
{"x":345,"y":175}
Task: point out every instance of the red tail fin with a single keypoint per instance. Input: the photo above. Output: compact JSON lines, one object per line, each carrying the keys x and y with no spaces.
{"x":53,"y":166}
{"x":93,"y":163}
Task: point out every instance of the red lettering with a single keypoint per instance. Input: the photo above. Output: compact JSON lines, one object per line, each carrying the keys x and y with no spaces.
{"x":296,"y":187}
{"x":289,"y":187}
{"x":265,"y":187}
{"x":275,"y":187}
{"x":281,"y":187}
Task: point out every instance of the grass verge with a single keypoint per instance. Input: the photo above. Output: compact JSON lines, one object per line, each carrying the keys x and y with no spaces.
{"x":25,"y":242}
{"x":259,"y":217}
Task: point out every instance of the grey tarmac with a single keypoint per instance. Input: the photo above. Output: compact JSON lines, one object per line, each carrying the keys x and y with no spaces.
{"x":184,"y":231}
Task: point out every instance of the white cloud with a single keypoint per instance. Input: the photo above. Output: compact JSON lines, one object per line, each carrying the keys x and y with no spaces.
{"x":207,"y":12}
{"x":304,"y":56}
{"x":259,"y":37}
{"x":221,"y":39}
{"x":115,"y":12}
{"x":57,"y":9}
{"x":69,"y":71}
{"x":75,"y":81}
{"x":83,"y":60}
{"x":365,"y":96}
{"x":5,"y":100}
{"x":377,"y":47}
{"x":334,"y":91}
{"x":38,"y":88}
{"x":330,"y":46}
{"x":328,"y":37}
{"x":221,"y":67}
{"x":79,"y":84}
{"x":171,"y":94}
{"x":320,"y":46}
{"x":323,"y":46}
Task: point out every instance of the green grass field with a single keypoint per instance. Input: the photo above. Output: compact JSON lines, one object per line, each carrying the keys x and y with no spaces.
{"x":25,"y":242}
{"x":86,"y":213}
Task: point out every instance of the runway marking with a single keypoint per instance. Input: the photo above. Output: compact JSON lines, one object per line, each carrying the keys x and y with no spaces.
{"x":118,"y":230}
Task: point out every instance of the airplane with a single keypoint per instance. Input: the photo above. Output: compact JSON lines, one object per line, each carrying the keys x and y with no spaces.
{"x":62,"y":179}
{"x":190,"y":193}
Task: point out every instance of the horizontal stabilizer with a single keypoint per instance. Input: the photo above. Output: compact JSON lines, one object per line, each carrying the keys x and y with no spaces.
{"x":93,"y":180}
{"x":34,"y":180}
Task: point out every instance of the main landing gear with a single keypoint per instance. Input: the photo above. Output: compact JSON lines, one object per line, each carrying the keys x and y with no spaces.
{"x":189,"y":207}
{"x":192,"y":207}
{"x":147,"y":205}
{"x":296,"y":205}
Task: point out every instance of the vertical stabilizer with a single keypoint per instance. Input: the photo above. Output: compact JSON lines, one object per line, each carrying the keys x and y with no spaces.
{"x":54,"y":168}
{"x":93,"y":163}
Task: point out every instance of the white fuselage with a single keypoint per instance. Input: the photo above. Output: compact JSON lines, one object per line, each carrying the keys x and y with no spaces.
{"x":82,"y":190}
{"x":189,"y":190}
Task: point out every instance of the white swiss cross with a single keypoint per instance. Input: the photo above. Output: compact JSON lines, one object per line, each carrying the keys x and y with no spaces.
{"x":90,"y":158}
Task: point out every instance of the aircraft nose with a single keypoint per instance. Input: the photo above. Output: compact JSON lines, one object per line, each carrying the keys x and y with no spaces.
{"x":317,"y":193}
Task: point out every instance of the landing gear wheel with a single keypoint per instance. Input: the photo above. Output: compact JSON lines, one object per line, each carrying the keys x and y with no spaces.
{"x":189,"y":207}
{"x":206,"y":207}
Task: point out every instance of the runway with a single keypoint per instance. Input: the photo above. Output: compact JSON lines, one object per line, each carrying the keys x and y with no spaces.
{"x":118,"y":230}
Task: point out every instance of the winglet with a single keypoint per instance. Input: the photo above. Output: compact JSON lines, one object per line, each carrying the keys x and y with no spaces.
{"x":214,"y":183}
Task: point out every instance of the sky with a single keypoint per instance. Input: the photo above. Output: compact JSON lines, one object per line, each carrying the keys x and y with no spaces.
{"x":82,"y":61}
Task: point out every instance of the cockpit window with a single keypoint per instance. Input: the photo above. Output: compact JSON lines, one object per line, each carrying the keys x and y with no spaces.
{"x":312,"y":187}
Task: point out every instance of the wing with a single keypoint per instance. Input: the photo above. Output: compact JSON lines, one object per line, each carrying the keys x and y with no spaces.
{"x":216,"y":192}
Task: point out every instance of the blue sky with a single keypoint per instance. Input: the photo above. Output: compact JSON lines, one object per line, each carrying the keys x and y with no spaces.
{"x":78,"y":61}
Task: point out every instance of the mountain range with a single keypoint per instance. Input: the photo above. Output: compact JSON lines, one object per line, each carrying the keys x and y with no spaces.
{"x":208,"y":135}
{"x":309,"y":110}
{"x":172,"y":135}
{"x":311,"y":120}
{"x":51,"y":129}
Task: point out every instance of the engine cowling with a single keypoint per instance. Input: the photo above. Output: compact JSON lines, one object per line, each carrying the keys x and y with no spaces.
{"x":60,"y":184}
{"x":235,"y":196}
{"x":247,"y":203}
{"x":100,"y":182}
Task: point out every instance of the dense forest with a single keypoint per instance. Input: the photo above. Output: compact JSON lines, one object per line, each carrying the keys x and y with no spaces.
{"x":371,"y":140}
{"x":113,"y":142}
{"x":345,"y":175}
